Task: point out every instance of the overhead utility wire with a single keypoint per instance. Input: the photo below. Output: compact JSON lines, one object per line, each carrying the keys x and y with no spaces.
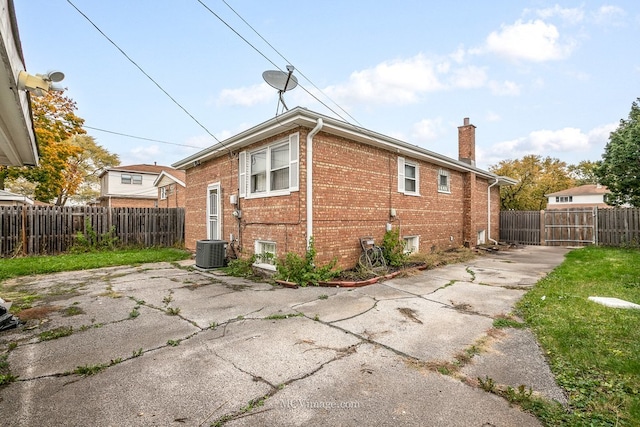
{"x":145,"y":73}
{"x":289,"y":62}
{"x":267,"y":58}
{"x":140,"y":137}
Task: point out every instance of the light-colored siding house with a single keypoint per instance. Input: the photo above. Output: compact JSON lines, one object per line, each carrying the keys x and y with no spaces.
{"x":171,"y":189}
{"x":17,"y":139}
{"x":583,"y":196}
{"x":11,"y":199}
{"x":303,"y":175}
{"x":131,"y":186}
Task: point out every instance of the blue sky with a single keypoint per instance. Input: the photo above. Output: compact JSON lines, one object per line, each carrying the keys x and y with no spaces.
{"x":535,"y":77}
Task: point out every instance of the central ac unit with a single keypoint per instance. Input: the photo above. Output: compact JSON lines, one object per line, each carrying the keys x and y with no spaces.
{"x":210,"y":253}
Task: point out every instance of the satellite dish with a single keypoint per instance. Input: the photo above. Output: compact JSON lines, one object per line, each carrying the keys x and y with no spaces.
{"x":55,"y":76}
{"x":282,"y":82}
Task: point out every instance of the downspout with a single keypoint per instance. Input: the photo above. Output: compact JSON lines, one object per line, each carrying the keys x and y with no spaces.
{"x":310,"y":136}
{"x":489,"y":212}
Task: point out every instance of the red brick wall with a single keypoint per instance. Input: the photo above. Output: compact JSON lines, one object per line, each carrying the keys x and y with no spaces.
{"x":355,"y":186}
{"x":175,"y":196}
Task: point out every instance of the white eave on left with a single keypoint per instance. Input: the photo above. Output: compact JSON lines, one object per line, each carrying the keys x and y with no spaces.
{"x":17,"y":138}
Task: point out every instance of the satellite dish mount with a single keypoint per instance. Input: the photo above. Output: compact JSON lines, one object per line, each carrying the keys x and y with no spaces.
{"x":282,"y":82}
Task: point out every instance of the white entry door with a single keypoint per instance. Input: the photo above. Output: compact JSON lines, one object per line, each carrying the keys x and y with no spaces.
{"x":213,"y":212}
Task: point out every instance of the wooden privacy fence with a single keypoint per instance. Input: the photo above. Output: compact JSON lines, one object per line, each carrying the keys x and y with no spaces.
{"x":572,"y":227}
{"x":37,"y":230}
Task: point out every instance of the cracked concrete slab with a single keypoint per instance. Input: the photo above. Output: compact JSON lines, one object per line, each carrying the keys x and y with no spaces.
{"x":487,"y":300}
{"x":294,"y":347}
{"x":375,"y":387}
{"x":418,"y":328}
{"x":207,"y":374}
{"x":94,"y":346}
{"x":513,"y":360}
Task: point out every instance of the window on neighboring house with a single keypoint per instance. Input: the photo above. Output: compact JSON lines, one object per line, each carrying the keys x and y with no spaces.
{"x":265,"y":252}
{"x":444,"y":183}
{"x":411,"y":244}
{"x":408,"y":177}
{"x":269,"y":171}
{"x":564,"y":199}
{"x":163,"y":193}
{"x":126,"y":178}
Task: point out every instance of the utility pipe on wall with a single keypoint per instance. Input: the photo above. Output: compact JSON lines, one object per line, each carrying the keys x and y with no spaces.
{"x":310,"y":136}
{"x":489,"y":212}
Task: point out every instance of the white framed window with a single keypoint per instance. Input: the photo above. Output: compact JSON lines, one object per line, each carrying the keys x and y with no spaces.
{"x":481,"y":237}
{"x":265,"y":252}
{"x":564,"y":199}
{"x":408,"y":177}
{"x":444,"y":181}
{"x":271,"y":170}
{"x":127,"y":178}
{"x":411,"y":244}
{"x":163,"y":193}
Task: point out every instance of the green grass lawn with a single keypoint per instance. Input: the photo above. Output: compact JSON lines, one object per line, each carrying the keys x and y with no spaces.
{"x":14,"y":267}
{"x":593,"y":350}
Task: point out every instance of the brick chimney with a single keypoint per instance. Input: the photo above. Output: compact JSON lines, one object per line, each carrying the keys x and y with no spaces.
{"x":467,"y":143}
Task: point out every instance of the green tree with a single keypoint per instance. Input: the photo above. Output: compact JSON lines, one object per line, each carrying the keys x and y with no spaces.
{"x":584,"y":172}
{"x":81,"y":173}
{"x":619,"y":169}
{"x":536,"y":177}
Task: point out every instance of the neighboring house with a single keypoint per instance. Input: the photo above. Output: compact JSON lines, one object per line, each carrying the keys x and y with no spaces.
{"x":171,"y":189}
{"x":11,"y":199}
{"x":584,"y":196}
{"x":17,"y":140}
{"x":303,"y":175}
{"x":132,"y":186}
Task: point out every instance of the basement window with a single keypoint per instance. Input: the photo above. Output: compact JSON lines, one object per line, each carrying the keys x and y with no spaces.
{"x":265,"y":252}
{"x":411,"y":244}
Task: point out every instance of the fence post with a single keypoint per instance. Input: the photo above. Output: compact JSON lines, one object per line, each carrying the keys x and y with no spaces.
{"x":542,"y":229}
{"x":595,"y":226}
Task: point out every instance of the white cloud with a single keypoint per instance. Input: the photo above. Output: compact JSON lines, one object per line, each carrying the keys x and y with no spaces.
{"x":468,"y":77}
{"x":550,"y":142}
{"x":609,"y":15}
{"x":390,"y":82}
{"x":492,"y":116}
{"x":145,"y":154}
{"x":569,"y":15}
{"x":505,"y":88}
{"x":533,"y":41}
{"x":247,"y":96}
{"x":427,"y":129}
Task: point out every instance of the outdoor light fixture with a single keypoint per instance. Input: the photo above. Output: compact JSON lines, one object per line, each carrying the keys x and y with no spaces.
{"x":40,"y":83}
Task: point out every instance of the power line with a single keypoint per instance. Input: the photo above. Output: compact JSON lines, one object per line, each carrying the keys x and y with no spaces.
{"x":140,"y":137}
{"x":145,"y":73}
{"x":270,"y":61}
{"x":289,"y":62}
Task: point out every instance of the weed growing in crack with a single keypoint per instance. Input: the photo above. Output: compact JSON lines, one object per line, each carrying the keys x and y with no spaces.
{"x":283,"y":316}
{"x":471,"y":273}
{"x":56,"y":333}
{"x":173,"y":343}
{"x":5,"y":374}
{"x":502,"y":322}
{"x":72,"y":311}
{"x":12,"y":346}
{"x":134,"y":313}
{"x":213,"y":325}
{"x":173,"y":311}
{"x":487,"y":384}
{"x":323,"y":296}
{"x":137,"y":353}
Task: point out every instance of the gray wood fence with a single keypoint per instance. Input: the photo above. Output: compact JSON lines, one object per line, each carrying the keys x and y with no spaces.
{"x":572,"y":227}
{"x":38,"y":230}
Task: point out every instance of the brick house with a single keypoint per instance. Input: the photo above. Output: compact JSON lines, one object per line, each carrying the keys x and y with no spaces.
{"x":302,"y":174}
{"x":171,"y":188}
{"x":134,"y":186}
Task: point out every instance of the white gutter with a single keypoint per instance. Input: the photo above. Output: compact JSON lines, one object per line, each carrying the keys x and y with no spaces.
{"x":310,"y":136}
{"x":489,"y":211}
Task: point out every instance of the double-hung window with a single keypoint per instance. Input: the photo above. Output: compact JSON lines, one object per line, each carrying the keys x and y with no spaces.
{"x":444,"y":181}
{"x":408,"y":177}
{"x":270,"y":170}
{"x":126,"y":178}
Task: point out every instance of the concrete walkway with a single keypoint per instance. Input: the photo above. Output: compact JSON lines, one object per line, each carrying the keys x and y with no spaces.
{"x":172,"y":346}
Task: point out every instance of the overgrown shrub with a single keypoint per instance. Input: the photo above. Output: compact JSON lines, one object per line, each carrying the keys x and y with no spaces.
{"x":240,"y":267}
{"x":90,"y":241}
{"x":393,"y":248}
{"x":302,"y":270}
